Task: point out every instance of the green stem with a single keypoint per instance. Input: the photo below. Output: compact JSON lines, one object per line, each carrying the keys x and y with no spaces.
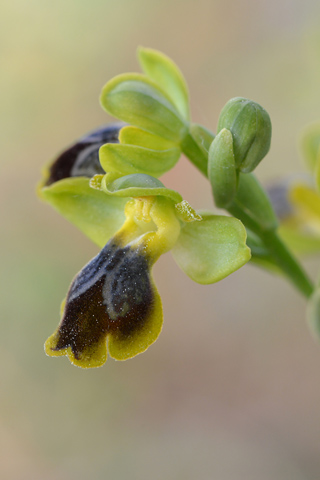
{"x":287,"y":262}
{"x":192,"y":150}
{"x":277,"y":249}
{"x":278,"y":252}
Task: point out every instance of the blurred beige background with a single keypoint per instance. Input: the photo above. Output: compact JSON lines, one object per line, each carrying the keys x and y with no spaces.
{"x":231,"y":390}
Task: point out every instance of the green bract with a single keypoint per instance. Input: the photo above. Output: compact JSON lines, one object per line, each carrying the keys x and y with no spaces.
{"x":250,"y":126}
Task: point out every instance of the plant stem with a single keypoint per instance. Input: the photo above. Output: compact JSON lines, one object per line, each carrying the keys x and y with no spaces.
{"x":278,"y":252}
{"x":288,"y":264}
{"x":192,"y":150}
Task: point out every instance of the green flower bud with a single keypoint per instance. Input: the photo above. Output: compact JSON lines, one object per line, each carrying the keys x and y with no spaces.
{"x":250,"y":126}
{"x":222,"y":172}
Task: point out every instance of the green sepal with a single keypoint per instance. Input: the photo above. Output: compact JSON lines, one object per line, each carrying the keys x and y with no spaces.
{"x":253,"y":200}
{"x":130,"y":135}
{"x":250,"y":126}
{"x":127,"y":159}
{"x":202,"y":136}
{"x":310,"y":144}
{"x":162,"y":70}
{"x":222,"y":171}
{"x":212,"y":249}
{"x":96,"y":214}
{"x":137,"y":100}
{"x":135,"y":185}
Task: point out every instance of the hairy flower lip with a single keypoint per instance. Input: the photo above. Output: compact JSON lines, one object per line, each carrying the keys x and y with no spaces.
{"x":113,"y":297}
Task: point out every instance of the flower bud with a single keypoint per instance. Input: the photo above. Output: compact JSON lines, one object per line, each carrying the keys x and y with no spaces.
{"x":250,"y":126}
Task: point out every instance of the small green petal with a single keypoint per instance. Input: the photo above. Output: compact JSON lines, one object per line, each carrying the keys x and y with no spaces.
{"x":209,"y":250}
{"x":130,"y":135}
{"x":162,"y":70}
{"x":137,"y":100}
{"x":127,"y":159}
{"x":137,"y":185}
{"x":96,"y":214}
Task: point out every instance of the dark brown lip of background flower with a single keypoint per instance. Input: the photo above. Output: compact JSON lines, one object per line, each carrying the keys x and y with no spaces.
{"x":82,"y":158}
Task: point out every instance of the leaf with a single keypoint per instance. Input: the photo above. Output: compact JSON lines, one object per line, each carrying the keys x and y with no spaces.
{"x":162,"y":70}
{"x":210,"y":250}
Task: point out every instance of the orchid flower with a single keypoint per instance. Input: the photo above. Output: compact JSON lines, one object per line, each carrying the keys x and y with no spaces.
{"x":113,"y":304}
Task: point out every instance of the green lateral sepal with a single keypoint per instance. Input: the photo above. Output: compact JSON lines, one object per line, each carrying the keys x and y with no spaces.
{"x":96,"y":214}
{"x":210,"y":250}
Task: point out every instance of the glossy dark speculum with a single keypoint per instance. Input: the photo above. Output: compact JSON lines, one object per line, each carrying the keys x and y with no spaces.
{"x":82,"y":158}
